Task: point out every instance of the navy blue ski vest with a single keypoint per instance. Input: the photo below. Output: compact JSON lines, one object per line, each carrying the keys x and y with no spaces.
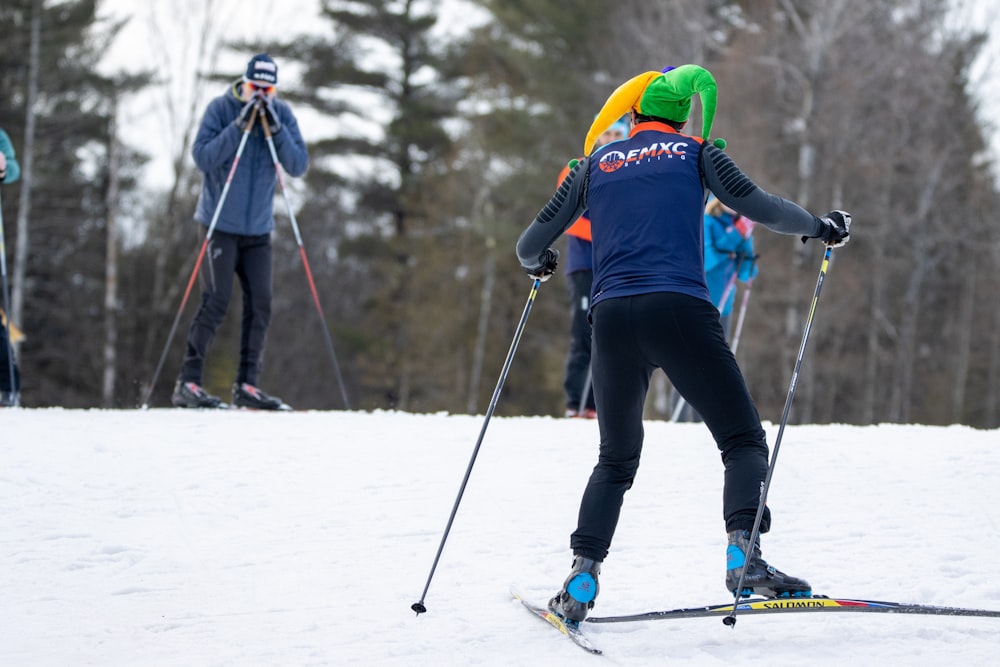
{"x":646,"y":202}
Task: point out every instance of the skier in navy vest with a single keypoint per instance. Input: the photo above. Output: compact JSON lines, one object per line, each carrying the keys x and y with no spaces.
{"x":651,"y":309}
{"x":241,"y":241}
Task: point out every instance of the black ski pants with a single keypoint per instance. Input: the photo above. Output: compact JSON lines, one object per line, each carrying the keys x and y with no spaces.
{"x":681,"y":335}
{"x":578,"y":357}
{"x":249,"y":258}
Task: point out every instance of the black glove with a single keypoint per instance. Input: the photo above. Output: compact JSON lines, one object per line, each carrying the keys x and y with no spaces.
{"x":244,"y":118}
{"x":271,"y":115}
{"x":546,"y":267}
{"x":750,"y":260}
{"x":836,"y":229}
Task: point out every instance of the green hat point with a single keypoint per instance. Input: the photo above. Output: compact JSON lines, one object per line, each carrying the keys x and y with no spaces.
{"x":669,"y":96}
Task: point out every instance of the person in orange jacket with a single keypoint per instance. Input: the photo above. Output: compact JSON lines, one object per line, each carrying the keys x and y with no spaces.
{"x":580,"y":277}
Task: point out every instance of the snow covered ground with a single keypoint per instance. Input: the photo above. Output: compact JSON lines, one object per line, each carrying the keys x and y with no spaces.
{"x":166,"y":537}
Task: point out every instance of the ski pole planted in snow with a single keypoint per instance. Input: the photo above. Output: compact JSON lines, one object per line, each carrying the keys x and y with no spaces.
{"x":305,"y":263}
{"x":201,"y":253}
{"x":418,"y":606}
{"x":730,"y":619}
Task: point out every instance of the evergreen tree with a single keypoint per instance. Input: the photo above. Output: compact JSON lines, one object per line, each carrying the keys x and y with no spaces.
{"x":382,"y":77}
{"x":61,"y":360}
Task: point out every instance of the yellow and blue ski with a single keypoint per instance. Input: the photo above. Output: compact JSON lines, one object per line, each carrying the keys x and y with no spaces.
{"x":568,"y":628}
{"x":816,"y":603}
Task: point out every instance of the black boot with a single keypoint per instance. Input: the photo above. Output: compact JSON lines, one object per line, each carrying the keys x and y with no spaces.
{"x":761,"y":578}
{"x":579,"y":591}
{"x":192,"y":395}
{"x":245,"y":395}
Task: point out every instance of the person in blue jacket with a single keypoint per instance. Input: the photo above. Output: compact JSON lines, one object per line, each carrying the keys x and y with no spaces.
{"x":729,"y":256}
{"x":650,"y":309}
{"x":10,"y":394}
{"x":241,"y":240}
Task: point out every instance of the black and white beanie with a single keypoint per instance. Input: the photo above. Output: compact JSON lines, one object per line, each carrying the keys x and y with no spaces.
{"x":262,"y":70}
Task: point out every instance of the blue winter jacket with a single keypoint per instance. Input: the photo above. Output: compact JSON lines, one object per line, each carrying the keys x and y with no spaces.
{"x":13,"y":171}
{"x":249,"y":206}
{"x":579,"y":255}
{"x":728,"y":257}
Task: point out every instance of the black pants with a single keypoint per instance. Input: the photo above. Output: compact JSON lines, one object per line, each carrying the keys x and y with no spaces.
{"x":6,"y":361}
{"x":578,"y":358}
{"x":687,"y":413}
{"x":249,"y":258}
{"x":681,"y":335}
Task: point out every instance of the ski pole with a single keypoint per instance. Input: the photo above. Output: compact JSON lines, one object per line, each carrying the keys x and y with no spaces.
{"x":305,"y":263}
{"x":419,"y":605}
{"x":741,"y":316}
{"x":730,"y":619}
{"x":201,"y":253}
{"x":6,"y":306}
{"x":730,"y":286}
{"x":587,"y":386}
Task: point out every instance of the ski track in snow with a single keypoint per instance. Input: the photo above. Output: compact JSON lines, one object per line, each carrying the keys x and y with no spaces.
{"x":166,"y":537}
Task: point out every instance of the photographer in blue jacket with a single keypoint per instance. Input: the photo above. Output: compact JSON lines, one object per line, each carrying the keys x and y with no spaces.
{"x":241,"y":240}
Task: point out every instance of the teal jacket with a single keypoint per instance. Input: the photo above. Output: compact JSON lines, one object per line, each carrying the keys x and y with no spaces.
{"x":13,"y":168}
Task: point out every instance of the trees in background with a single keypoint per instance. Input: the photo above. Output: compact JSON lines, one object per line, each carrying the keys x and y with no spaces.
{"x":442,"y":147}
{"x":376,"y":206}
{"x":841,"y":116}
{"x":49,"y":54}
{"x":163,"y":243}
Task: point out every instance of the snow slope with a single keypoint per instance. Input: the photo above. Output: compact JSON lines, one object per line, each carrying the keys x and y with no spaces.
{"x":167,"y":537}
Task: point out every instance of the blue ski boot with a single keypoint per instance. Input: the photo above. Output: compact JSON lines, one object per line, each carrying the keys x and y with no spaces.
{"x":761,"y":578}
{"x":577,"y":597}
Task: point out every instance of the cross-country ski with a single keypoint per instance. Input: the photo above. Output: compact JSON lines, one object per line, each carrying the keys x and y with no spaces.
{"x":815,"y":604}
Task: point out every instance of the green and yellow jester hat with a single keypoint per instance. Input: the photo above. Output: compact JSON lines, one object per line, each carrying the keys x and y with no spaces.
{"x":665,"y":94}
